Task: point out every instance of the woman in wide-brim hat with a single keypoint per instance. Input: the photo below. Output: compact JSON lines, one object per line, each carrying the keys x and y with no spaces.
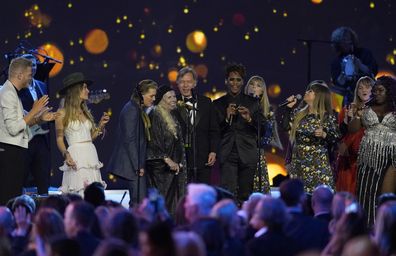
{"x":77,"y":125}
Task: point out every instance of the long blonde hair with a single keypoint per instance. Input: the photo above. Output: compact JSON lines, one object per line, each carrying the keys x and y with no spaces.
{"x":264,"y":102}
{"x":169,"y":121}
{"x":321,"y":105}
{"x":72,"y":105}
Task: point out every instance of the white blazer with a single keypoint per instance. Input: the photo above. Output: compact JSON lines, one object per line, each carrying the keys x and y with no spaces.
{"x":13,"y":128}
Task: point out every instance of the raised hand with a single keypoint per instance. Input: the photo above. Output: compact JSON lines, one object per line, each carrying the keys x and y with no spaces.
{"x":39,"y":104}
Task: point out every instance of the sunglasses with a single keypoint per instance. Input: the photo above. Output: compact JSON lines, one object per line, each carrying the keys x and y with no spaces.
{"x":231,"y":79}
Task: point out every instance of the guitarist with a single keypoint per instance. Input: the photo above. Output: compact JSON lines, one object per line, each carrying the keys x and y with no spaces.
{"x":38,"y":160}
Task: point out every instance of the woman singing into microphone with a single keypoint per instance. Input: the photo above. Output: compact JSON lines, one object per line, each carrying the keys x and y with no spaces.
{"x":313,"y":130}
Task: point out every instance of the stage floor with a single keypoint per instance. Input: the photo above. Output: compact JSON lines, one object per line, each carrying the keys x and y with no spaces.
{"x":117,"y":194}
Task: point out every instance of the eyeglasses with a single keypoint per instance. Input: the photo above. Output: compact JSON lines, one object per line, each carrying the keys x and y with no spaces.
{"x":231,"y":79}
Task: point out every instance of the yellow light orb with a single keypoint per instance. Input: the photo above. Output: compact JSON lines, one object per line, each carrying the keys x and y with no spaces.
{"x":96,"y":41}
{"x":172,"y":75}
{"x":52,"y":51}
{"x":274,"y":90}
{"x":196,"y":41}
{"x":336,"y":101}
{"x":316,"y":1}
{"x":390,"y":58}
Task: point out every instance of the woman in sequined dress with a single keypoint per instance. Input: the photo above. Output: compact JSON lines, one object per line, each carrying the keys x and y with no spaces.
{"x":346,"y":165}
{"x":377,"y":152}
{"x":313,"y":131}
{"x":257,"y":88}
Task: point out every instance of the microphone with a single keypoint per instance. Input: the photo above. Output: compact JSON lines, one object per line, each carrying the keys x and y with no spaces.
{"x":186,"y":105}
{"x":297,"y":97}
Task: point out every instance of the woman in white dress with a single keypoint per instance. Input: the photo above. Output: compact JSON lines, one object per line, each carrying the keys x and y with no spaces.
{"x":77,"y":125}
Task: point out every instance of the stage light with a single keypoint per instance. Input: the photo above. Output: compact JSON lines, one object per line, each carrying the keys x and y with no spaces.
{"x":274,"y":90}
{"x":52,"y":51}
{"x":316,"y":1}
{"x":96,"y":41}
{"x":196,"y":41}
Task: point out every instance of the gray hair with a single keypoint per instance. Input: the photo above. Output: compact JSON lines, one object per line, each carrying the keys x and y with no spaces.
{"x":182,"y":72}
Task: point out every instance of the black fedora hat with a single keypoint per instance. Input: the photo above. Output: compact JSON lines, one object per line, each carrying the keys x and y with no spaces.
{"x":73,"y":79}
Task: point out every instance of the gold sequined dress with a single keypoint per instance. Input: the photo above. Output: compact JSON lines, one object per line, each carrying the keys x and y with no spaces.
{"x":310,"y":154}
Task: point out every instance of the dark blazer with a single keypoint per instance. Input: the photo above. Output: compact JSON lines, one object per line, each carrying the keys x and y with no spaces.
{"x":240,"y":132}
{"x":207,"y":131}
{"x":271,"y":243}
{"x":308,"y":232}
{"x":129,"y":153}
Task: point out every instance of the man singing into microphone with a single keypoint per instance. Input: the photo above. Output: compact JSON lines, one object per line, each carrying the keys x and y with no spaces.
{"x":201,"y":130}
{"x":238,"y":115}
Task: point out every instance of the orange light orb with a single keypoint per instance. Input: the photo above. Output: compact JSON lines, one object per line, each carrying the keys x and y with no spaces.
{"x":384,"y":73}
{"x":202,"y":70}
{"x":157,"y":50}
{"x":52,"y":51}
{"x":96,"y":41}
{"x":196,"y":41}
{"x":172,"y":75}
{"x":316,"y":1}
{"x":274,"y":90}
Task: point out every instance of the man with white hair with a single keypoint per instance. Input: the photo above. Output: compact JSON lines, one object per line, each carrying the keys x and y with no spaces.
{"x":322,"y":197}
{"x":199,"y":201}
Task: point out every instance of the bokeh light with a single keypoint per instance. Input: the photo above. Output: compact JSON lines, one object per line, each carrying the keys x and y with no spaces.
{"x":37,"y":18}
{"x":196,"y":41}
{"x":274,"y":90}
{"x":96,"y":41}
{"x":172,"y":75}
{"x":316,"y":1}
{"x":51,"y":50}
{"x":156,"y":50}
{"x":202,"y":70}
{"x":385,"y":73}
{"x":238,"y":19}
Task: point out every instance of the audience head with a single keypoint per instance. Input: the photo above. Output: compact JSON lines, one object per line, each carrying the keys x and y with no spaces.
{"x":292,"y":192}
{"x":157,"y":240}
{"x":226,"y":212}
{"x":57,"y":202}
{"x":341,"y":200}
{"x":199,"y":201}
{"x":112,"y":247}
{"x":386,"y":197}
{"x":188,"y":244}
{"x":322,"y":198}
{"x":123,"y":225}
{"x":362,"y":246}
{"x":271,"y":213}
{"x":26,"y":201}
{"x":6,"y":221}
{"x":94,"y":194}
{"x":212,"y":234}
{"x":385,"y":228}
{"x":48,"y":223}
{"x":79,"y":216}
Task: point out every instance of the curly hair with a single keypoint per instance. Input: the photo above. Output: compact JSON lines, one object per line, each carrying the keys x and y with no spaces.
{"x":390,"y":86}
{"x":339,"y":35}
{"x":234,"y":67}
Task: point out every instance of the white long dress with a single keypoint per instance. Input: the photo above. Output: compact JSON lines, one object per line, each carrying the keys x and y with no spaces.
{"x":84,"y":154}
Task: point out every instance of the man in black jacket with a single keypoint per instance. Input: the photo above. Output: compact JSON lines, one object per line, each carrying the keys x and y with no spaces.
{"x":239,"y":117}
{"x":200,"y":127}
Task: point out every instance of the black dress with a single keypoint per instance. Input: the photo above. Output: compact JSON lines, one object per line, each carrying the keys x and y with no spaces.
{"x":164,"y":144}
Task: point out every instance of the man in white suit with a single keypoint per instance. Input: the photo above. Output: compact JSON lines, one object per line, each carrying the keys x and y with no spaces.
{"x":14,"y":132}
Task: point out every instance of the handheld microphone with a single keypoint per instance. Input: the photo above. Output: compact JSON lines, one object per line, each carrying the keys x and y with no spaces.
{"x":297,"y":97}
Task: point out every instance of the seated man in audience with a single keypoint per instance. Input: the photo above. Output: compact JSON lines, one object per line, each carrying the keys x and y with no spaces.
{"x":322,"y":197}
{"x":199,"y":201}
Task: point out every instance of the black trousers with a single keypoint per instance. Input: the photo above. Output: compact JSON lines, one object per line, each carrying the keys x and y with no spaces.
{"x":137,"y":190}
{"x":236,"y":176}
{"x":38,"y":164}
{"x":12,"y":171}
{"x":203,"y":174}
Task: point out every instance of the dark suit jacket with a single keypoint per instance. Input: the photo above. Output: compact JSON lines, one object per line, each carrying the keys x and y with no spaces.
{"x":129,"y":153}
{"x":240,"y":132}
{"x":88,"y":243}
{"x":207,"y":131}
{"x":309,"y":233}
{"x":271,"y":243}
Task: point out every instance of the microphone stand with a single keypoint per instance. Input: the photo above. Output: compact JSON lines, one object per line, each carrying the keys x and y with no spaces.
{"x":259,"y":166}
{"x":193,"y":148}
{"x":309,"y":43}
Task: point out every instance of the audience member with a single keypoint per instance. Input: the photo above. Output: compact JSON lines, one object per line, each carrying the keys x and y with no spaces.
{"x":199,"y":201}
{"x":322,"y":198}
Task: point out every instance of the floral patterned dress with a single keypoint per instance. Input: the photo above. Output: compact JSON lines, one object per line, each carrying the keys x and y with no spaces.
{"x":310,"y":154}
